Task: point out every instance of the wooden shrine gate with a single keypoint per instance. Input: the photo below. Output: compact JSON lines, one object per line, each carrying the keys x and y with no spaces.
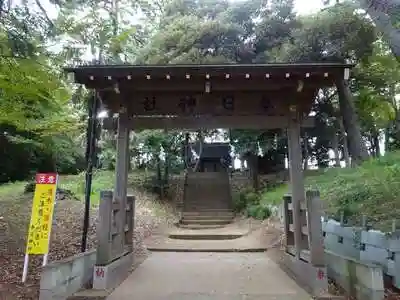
{"x":257,"y":96}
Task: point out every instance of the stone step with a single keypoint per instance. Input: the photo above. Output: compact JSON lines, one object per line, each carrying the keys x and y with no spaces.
{"x":209,"y":213}
{"x":206,"y":222}
{"x":208,"y":206}
{"x":201,"y":208}
{"x":207,"y":217}
{"x":207,"y":201}
{"x":207,"y":210}
{"x":213,"y":221}
{"x":200,"y":226}
{"x":205,"y":236}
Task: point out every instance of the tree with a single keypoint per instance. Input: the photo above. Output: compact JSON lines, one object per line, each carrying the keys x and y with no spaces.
{"x":385,"y":15}
{"x":335,"y":34}
{"x":37,"y":123}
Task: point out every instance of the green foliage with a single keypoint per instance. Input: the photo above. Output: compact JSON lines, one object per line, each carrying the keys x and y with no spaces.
{"x":371,"y":189}
{"x":38,"y":124}
{"x":248,"y":202}
{"x":260,"y":212}
{"x":28,"y":153}
{"x":243,"y":198}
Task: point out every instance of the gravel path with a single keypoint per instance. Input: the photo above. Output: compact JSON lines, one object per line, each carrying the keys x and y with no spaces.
{"x":211,"y":276}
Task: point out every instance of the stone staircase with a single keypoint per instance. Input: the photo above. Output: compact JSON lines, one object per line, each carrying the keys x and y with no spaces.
{"x":207,"y":200}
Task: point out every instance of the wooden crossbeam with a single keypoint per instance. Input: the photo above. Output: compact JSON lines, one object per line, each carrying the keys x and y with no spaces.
{"x":214,"y":122}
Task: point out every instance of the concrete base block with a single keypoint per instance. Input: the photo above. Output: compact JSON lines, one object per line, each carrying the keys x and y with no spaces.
{"x":113,"y":274}
{"x":62,"y":278}
{"x":313,"y":279}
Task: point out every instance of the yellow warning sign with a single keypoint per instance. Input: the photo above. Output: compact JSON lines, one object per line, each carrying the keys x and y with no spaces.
{"x":42,"y":214}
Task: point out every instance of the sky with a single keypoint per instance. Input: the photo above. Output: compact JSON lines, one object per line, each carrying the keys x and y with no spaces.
{"x":307,"y":6}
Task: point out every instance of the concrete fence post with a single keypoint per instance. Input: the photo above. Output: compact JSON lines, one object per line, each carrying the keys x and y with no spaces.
{"x":342,"y":219}
{"x":316,"y":242}
{"x":103,"y":255}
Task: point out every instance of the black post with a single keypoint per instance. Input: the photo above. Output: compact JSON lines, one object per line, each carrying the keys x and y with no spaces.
{"x":90,"y":153}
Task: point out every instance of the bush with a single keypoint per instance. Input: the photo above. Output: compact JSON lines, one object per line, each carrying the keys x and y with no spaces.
{"x":239,"y":202}
{"x":258,"y":211}
{"x":249,"y":202}
{"x":30,"y":187}
{"x":243,"y":198}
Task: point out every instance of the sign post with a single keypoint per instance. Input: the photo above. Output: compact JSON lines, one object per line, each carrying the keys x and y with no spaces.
{"x":39,"y":232}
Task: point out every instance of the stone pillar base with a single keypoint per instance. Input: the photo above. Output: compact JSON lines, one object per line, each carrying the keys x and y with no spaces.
{"x":113,"y":274}
{"x":313,"y":279}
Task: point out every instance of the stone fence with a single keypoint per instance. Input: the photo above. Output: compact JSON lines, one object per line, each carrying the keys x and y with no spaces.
{"x":362,"y":244}
{"x":356,"y":257}
{"x":366,"y":246}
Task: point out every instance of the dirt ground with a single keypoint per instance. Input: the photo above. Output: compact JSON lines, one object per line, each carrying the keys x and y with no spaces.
{"x":65,"y":241}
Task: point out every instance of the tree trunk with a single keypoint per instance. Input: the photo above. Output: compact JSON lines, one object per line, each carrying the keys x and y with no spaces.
{"x":186,"y":152}
{"x":335,"y":146}
{"x":343,"y":139}
{"x":158,"y":161}
{"x":201,"y":143}
{"x":241,"y":164}
{"x":396,"y":125}
{"x":306,"y":154}
{"x":254,"y":171}
{"x":166,"y":167}
{"x":387,"y":136}
{"x":167,"y":150}
{"x":358,"y":149}
{"x":377,"y":147}
{"x":372,"y":146}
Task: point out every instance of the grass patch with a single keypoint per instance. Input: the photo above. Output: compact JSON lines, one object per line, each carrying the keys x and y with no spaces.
{"x":372,"y":189}
{"x":274,"y":196}
{"x":7,"y":190}
{"x":102,"y":180}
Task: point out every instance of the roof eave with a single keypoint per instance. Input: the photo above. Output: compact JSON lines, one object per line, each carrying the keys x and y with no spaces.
{"x":86,"y":68}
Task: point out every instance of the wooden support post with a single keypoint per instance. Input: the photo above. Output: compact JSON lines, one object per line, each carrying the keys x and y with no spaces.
{"x":121,"y":181}
{"x":130,"y":215}
{"x":296,"y":176}
{"x":314,"y":213}
{"x":103,"y":230}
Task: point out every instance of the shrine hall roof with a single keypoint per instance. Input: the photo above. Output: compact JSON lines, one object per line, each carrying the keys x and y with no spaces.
{"x":88,"y":73}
